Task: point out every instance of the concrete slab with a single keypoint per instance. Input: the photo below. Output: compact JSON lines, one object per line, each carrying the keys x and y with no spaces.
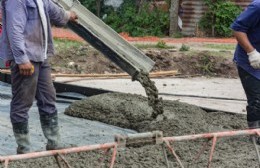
{"x":217,"y":94}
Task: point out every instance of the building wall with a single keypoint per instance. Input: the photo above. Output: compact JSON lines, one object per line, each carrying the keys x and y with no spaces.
{"x":193,"y":10}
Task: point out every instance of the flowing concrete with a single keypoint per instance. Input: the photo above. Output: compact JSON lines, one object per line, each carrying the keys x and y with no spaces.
{"x":217,"y":94}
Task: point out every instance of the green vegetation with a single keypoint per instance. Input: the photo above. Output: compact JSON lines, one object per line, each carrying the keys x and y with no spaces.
{"x":177,"y":35}
{"x":184,"y":47}
{"x":221,"y":46}
{"x":221,"y":54}
{"x":145,"y":46}
{"x":218,"y":18}
{"x":137,"y":21}
{"x":161,"y":44}
{"x":206,"y":64}
{"x":64,"y":44}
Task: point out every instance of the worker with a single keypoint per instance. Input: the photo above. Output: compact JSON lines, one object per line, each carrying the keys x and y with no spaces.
{"x":26,"y":41}
{"x":0,"y":21}
{"x":246,"y":29}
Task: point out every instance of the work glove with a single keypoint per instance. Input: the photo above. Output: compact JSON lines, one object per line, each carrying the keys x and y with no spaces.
{"x":254,"y":59}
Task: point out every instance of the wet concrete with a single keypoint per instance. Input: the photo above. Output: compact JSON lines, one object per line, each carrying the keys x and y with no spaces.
{"x":152,"y":93}
{"x":204,"y":92}
{"x":132,"y":111}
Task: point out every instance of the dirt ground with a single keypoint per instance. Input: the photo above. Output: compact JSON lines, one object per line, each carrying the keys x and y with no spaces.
{"x":85,"y":59}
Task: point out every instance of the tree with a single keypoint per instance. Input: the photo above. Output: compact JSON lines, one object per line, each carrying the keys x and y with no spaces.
{"x":174,"y":10}
{"x":98,"y":3}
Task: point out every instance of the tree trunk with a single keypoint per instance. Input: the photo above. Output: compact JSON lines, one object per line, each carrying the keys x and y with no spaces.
{"x":174,"y":10}
{"x":98,"y":3}
{"x":140,"y":4}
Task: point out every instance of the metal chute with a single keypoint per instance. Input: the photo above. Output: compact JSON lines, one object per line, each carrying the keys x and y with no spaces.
{"x":106,"y":40}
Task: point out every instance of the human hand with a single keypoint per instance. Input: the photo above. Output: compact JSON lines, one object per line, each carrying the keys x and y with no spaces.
{"x":26,"y":69}
{"x":73,"y":16}
{"x":254,"y":59}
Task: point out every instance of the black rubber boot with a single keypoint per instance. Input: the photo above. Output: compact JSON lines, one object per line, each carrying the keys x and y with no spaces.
{"x":254,"y":125}
{"x":21,"y":134}
{"x":50,"y":130}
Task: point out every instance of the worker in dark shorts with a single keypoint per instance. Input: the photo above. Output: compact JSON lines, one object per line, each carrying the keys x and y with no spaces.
{"x":247,"y":57}
{"x":26,"y":42}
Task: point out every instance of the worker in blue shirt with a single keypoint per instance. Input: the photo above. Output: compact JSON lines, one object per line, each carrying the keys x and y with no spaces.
{"x":26,"y":42}
{"x":246,"y":29}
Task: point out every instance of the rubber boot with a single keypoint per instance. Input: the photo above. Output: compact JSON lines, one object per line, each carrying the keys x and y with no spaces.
{"x":254,"y":125}
{"x":50,"y":128}
{"x":21,"y":134}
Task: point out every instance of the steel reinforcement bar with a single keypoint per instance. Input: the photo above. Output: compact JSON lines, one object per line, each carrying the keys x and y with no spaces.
{"x":155,"y":137}
{"x":213,"y":137}
{"x":33,"y":155}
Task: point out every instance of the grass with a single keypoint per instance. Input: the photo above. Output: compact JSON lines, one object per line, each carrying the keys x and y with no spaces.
{"x":145,"y":46}
{"x":224,"y":54}
{"x":184,"y":47}
{"x":64,"y":44}
{"x":221,"y":46}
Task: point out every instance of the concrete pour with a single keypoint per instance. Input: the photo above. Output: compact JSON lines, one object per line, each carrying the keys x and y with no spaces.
{"x":152,"y":93}
{"x":132,"y":111}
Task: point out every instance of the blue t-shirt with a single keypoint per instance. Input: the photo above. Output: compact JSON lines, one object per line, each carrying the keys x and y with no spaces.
{"x":248,"y":22}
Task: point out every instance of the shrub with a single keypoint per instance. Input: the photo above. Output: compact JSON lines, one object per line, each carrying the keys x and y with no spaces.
{"x":218,"y":18}
{"x":137,"y":22}
{"x":161,"y":44}
{"x":184,"y":47}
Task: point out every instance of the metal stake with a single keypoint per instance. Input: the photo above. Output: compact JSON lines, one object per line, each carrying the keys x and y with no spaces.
{"x":113,"y":157}
{"x":256,"y":149}
{"x":174,"y":153}
{"x":6,"y":163}
{"x":165,"y":156}
{"x":58,"y":161}
{"x":214,"y":142}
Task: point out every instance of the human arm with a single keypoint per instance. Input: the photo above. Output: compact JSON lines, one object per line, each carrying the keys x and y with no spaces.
{"x":16,"y":19}
{"x":243,"y":40}
{"x":58,"y":16}
{"x":253,"y":54}
{"x":244,"y":27}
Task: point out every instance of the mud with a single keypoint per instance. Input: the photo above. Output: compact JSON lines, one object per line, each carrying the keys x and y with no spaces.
{"x":152,"y":93}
